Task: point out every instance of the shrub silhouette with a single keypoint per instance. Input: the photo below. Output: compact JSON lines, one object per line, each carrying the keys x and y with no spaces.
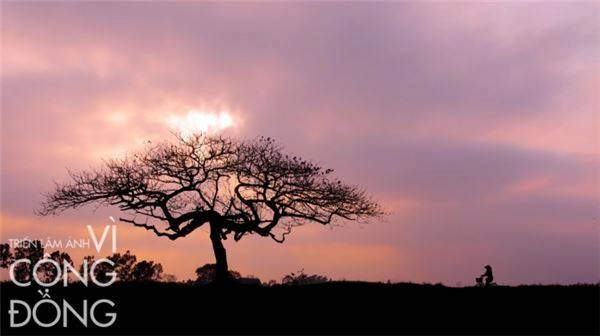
{"x":301,"y":278}
{"x":168,"y":278}
{"x":208,"y":272}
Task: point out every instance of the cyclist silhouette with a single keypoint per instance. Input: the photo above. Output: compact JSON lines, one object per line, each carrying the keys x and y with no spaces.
{"x":489,"y":275}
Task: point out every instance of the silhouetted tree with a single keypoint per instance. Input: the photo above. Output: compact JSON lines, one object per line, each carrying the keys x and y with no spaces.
{"x":101,"y":270}
{"x":124,"y":265}
{"x":49,"y":271}
{"x":6,"y":256}
{"x":146,"y":270}
{"x":126,"y":268}
{"x":33,"y":251}
{"x":208,"y":273}
{"x":235,"y":187}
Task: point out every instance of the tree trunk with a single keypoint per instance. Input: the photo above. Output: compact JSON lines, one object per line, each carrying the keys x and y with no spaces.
{"x":222,"y":270}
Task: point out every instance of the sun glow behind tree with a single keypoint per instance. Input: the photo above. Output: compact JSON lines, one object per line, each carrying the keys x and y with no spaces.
{"x":201,"y":121}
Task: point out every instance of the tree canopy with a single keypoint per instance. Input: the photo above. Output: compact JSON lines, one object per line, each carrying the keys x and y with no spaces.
{"x":237,"y":187}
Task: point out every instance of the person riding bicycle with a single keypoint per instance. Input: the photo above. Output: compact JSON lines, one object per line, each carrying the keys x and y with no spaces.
{"x":489,"y":275}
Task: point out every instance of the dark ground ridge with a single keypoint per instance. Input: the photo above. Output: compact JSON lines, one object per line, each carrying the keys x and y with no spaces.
{"x":345,"y":307}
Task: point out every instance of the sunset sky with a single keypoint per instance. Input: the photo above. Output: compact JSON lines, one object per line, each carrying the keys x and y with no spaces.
{"x":475,"y":125}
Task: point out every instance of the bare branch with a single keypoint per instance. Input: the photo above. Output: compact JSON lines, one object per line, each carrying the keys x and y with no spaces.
{"x":240,"y":187}
{"x":152,"y":228}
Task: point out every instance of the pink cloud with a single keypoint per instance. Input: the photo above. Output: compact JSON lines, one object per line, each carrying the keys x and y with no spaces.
{"x":475,"y":125}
